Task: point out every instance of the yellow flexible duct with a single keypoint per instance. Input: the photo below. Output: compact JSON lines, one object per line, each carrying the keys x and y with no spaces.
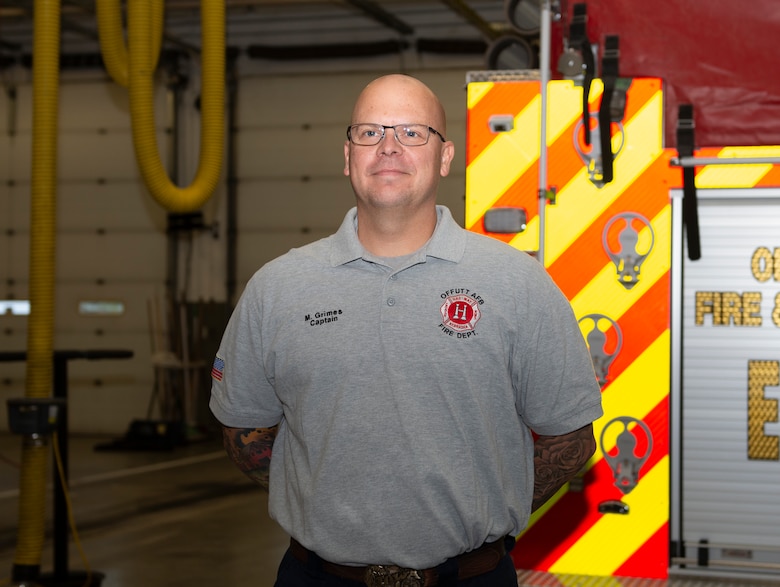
{"x":112,"y":43}
{"x":140,"y":77}
{"x":40,"y":333}
{"x":141,"y":66}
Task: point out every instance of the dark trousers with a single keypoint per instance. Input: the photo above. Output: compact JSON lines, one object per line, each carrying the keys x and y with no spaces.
{"x":294,"y":573}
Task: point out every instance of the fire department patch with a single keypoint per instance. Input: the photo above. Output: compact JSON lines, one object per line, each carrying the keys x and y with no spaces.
{"x":460,"y":313}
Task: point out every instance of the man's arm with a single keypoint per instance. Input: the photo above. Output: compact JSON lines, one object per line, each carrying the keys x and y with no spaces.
{"x":559,"y":458}
{"x":250,"y":450}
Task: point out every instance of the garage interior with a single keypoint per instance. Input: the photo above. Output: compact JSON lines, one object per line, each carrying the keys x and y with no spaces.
{"x":143,"y":292}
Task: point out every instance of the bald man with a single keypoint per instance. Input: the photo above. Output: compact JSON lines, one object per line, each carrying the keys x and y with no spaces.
{"x":407,"y":391}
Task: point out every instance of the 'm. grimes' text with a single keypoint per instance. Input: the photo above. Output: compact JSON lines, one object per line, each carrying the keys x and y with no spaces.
{"x":323,"y":317}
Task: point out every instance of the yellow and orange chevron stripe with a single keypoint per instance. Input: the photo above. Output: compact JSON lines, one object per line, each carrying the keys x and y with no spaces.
{"x":587,"y":233}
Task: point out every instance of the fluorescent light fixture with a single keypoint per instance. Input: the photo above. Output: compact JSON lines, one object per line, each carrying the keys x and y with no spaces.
{"x":101,"y":308}
{"x":14,"y":307}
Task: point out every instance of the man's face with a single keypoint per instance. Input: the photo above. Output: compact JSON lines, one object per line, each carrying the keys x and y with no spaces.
{"x":390,"y":174}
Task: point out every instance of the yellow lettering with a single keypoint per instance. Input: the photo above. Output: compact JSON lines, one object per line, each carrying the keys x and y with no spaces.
{"x":776,"y":311}
{"x":761,"y":264}
{"x":777,"y":264}
{"x":731,"y":307}
{"x":707,"y":302}
{"x":751,"y":308}
{"x":762,"y":410}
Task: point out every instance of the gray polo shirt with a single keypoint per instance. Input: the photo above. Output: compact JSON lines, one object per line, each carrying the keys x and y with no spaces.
{"x":405,"y":397}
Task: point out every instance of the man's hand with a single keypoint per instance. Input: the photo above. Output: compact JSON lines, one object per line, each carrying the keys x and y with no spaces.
{"x":559,"y":458}
{"x":250,"y":450}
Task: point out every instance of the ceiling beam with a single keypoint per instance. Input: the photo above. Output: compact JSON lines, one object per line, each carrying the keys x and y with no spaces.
{"x":92,"y":33}
{"x":382,"y":16}
{"x":491,"y":32}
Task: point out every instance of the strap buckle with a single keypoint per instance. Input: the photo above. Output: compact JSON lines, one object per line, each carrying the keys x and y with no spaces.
{"x":393,"y":576}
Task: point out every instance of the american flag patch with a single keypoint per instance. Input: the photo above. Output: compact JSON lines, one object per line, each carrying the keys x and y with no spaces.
{"x":217,"y":368}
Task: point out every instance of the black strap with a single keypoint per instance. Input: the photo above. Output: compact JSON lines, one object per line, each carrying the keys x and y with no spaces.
{"x":578,"y":39}
{"x":685,"y":147}
{"x":609,"y":75}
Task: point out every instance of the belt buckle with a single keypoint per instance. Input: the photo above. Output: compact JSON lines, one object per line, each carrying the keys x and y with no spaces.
{"x":393,"y":576}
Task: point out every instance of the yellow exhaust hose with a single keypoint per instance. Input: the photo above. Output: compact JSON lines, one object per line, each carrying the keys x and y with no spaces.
{"x":141,"y":87}
{"x":40,"y":329}
{"x":112,"y":42}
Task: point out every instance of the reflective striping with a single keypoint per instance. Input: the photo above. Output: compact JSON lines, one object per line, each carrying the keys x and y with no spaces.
{"x":566,"y":109}
{"x":635,"y":380}
{"x":574,"y":513}
{"x":622,"y":396}
{"x":646,"y":320}
{"x":579,"y":201}
{"x":528,"y":240}
{"x":771,"y":178}
{"x":720,"y":176}
{"x":584,"y":252}
{"x":477,"y":91}
{"x":548,"y":505}
{"x":578,"y":513}
{"x":716,"y":176}
{"x":633,"y":529}
{"x":512,"y":152}
{"x":500,"y":99}
{"x":604,"y":291}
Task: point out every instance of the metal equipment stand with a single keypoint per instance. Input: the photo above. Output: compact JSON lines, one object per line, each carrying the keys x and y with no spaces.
{"x":61,"y":575}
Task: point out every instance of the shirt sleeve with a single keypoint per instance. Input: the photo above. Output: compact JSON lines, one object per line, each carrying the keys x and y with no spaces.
{"x":242,"y":391}
{"x":556,"y":386}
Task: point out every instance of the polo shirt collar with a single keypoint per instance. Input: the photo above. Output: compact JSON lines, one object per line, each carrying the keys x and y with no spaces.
{"x":448,"y":241}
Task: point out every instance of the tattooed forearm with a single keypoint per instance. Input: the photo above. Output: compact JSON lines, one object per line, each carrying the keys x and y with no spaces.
{"x":559,"y":458}
{"x":250,"y":450}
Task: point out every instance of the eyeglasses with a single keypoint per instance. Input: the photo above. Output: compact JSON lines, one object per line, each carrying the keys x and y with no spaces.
{"x":409,"y":135}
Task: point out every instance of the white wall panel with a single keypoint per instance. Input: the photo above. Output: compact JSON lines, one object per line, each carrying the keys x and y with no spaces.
{"x":297,"y":100}
{"x":18,"y":156}
{"x":5,"y":106}
{"x":291,"y":151}
{"x":22,"y":107}
{"x":13,"y":336}
{"x":98,"y":155}
{"x":111,"y":245}
{"x":93,"y":130}
{"x":257,"y":248}
{"x":114,"y":256}
{"x":109,"y":106}
{"x":16,"y":249}
{"x":87,"y":104}
{"x":329,"y":98}
{"x":6,"y":149}
{"x":135,"y":294}
{"x":293,"y":203}
{"x":16,"y":206}
{"x":108,"y":206}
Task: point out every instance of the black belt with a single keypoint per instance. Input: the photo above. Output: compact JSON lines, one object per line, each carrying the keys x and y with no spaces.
{"x":470,"y":564}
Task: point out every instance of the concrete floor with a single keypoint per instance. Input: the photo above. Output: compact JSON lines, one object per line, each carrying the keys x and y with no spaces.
{"x":188,"y":517}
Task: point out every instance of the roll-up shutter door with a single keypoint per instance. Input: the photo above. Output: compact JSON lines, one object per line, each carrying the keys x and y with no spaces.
{"x":731,"y":384}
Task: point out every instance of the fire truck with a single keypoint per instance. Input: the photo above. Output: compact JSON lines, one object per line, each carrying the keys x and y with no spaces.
{"x":643,"y":171}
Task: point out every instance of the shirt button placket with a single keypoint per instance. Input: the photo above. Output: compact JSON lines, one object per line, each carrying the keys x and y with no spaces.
{"x":390,"y":301}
